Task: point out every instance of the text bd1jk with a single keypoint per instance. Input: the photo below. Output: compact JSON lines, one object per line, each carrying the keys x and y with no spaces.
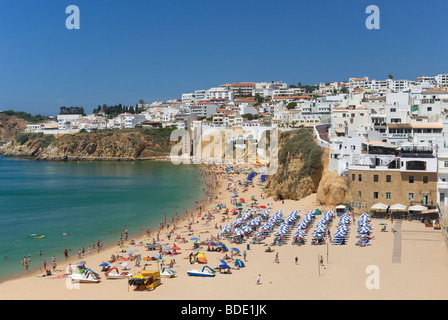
{"x":227,"y":309}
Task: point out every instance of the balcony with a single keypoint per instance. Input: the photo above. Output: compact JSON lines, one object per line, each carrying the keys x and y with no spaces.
{"x":442,"y":184}
{"x":417,"y":153}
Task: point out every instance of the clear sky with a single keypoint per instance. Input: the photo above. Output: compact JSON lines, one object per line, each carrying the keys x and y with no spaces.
{"x":156,"y":50}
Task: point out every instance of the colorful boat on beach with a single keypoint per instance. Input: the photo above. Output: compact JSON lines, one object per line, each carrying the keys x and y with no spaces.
{"x":113,"y":273}
{"x":205,"y":272}
{"x":87,"y":276}
{"x":167,"y":273}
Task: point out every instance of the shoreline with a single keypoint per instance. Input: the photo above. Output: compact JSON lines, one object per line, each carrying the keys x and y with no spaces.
{"x":112,"y":244}
{"x":84,"y":158}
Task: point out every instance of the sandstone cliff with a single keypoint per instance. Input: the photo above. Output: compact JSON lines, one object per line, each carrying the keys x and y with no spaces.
{"x":303,"y":170}
{"x":104,"y":145}
{"x":333,"y":189}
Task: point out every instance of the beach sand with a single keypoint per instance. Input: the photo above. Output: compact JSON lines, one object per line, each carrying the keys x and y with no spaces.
{"x":408,"y":264}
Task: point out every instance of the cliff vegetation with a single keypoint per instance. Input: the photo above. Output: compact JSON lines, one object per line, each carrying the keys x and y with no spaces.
{"x":135,"y":144}
{"x":303,"y":170}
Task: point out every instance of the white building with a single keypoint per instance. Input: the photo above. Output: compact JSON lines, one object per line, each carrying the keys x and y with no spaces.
{"x":65,"y":120}
{"x":219,"y":93}
{"x":128,"y":120}
{"x":203,"y":110}
{"x":241,"y":88}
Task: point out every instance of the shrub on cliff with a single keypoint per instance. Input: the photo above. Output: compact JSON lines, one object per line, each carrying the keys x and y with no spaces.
{"x":44,"y":139}
{"x":302,"y":145}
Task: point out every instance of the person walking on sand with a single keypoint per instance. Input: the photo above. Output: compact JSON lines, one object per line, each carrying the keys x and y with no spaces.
{"x":258,"y":279}
{"x":276,"y":260}
{"x":296,"y":260}
{"x":322,"y":262}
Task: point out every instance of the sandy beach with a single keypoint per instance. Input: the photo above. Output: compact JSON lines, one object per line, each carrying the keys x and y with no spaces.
{"x":407,"y":264}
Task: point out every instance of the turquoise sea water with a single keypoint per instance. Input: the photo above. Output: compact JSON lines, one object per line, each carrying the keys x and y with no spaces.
{"x":87,"y":200}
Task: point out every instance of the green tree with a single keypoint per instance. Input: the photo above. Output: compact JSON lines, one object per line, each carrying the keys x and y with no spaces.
{"x":291,"y":105}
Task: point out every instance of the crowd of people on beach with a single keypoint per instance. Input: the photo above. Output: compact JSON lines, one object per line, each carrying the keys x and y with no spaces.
{"x":216,"y":207}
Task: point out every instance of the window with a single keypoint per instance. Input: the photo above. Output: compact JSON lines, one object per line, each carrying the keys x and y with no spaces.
{"x":388,"y":178}
{"x":425,"y":179}
{"x":375,"y":195}
{"x":445,"y":164}
{"x":411,"y":196}
{"x":359,"y":177}
{"x":359,"y":194}
{"x":388,"y":195}
{"x":375,"y":178}
{"x":411,"y":179}
{"x":353,"y":177}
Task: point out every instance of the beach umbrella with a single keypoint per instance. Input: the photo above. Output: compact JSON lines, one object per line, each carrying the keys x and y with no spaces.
{"x":245,"y":216}
{"x":124,"y":264}
{"x":364,"y":215}
{"x":238,"y":232}
{"x":236,"y":249}
{"x":262,"y":207}
{"x":363,"y":230}
{"x":202,"y":258}
{"x":105,"y":264}
{"x":226,"y":229}
{"x":81,"y":263}
{"x":194,"y":238}
{"x":224,"y":266}
{"x":253,"y":223}
{"x":247,"y":229}
{"x":239,"y":204}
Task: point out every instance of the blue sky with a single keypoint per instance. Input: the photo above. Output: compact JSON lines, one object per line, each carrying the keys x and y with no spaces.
{"x":156,"y":50}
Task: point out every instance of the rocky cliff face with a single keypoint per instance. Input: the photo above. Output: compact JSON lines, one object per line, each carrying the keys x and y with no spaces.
{"x":303,"y":170}
{"x":333,"y":189}
{"x":107,"y":145}
{"x":9,"y":126}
